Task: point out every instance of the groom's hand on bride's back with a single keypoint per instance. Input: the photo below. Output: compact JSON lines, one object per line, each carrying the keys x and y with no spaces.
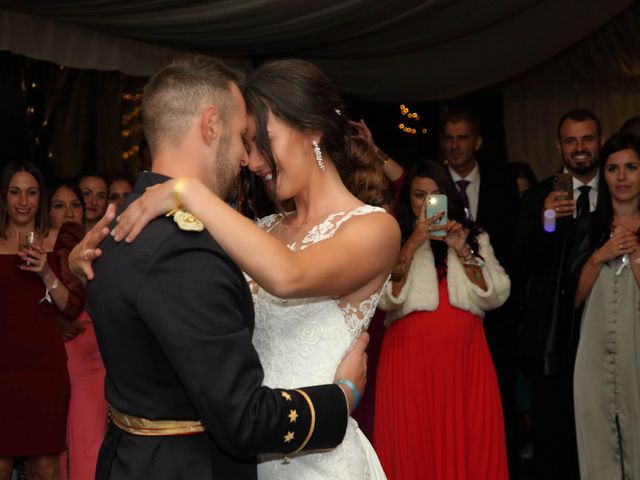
{"x":354,"y":368}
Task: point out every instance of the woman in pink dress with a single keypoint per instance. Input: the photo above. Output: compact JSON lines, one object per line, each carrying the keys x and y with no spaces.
{"x":87,"y":421}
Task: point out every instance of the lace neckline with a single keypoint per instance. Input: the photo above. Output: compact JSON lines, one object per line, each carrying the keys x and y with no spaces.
{"x":322,"y":230}
{"x":356,"y":314}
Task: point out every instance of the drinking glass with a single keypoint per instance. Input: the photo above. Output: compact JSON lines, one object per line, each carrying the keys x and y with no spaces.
{"x":26,"y":240}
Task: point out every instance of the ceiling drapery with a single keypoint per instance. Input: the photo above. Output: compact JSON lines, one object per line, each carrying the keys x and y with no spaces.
{"x":375,"y":49}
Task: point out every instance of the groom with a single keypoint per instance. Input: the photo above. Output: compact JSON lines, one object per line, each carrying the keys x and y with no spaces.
{"x":173,"y":315}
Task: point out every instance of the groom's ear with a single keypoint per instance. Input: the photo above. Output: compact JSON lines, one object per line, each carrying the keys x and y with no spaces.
{"x":210,"y":124}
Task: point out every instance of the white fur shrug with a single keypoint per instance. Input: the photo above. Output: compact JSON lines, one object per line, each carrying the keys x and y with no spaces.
{"x":420,"y":291}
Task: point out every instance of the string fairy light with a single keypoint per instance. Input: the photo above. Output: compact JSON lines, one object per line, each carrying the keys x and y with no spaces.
{"x":131,"y":126}
{"x":411,"y":125}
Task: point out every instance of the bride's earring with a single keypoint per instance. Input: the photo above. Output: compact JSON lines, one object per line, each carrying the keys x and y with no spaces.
{"x":318,"y":152}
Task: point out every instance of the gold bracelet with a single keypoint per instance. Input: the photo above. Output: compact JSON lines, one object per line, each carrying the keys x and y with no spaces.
{"x":467,"y":259}
{"x":177,"y":190}
{"x":467,"y":256}
{"x":470,"y":259}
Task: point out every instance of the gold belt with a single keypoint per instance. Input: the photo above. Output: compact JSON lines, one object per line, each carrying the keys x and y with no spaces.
{"x":154,"y":428}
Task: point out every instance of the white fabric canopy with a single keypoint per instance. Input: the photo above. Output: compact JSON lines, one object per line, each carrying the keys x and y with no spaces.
{"x":381,"y":50}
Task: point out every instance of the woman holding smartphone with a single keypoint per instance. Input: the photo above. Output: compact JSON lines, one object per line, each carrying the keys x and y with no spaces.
{"x":438,"y":410}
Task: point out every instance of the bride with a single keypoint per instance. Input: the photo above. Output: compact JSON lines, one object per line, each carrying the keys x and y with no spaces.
{"x":317,"y":271}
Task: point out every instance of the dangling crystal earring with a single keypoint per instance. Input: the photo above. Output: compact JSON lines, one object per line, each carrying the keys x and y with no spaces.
{"x":318,"y":152}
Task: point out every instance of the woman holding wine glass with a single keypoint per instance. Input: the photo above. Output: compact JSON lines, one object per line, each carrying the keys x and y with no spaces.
{"x":35,"y":284}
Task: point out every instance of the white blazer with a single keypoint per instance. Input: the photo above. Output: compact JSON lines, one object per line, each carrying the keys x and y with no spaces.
{"x":420,"y":291}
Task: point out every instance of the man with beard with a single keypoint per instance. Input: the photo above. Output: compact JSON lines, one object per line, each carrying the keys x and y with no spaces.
{"x":549,"y":264}
{"x":174,"y":317}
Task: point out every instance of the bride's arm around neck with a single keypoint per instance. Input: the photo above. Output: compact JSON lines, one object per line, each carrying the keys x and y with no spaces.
{"x":361,"y":252}
{"x":356,"y":259}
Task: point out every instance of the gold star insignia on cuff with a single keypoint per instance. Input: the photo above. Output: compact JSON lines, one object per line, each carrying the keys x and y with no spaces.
{"x":286,"y":396}
{"x":289,"y":436}
{"x":293,"y":416}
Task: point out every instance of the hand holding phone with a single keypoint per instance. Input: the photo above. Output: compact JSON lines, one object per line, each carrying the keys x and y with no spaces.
{"x":560,"y":200}
{"x":563,"y":182}
{"x":434,"y":205}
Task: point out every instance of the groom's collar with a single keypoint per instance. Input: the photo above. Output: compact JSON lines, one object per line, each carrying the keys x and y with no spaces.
{"x":148,"y":179}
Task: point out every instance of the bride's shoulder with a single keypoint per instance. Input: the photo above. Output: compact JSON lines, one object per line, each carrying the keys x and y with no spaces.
{"x":372,"y":221}
{"x":366,"y":214}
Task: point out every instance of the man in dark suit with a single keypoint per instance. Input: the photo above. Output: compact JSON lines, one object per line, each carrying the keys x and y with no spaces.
{"x":174,"y":318}
{"x":491,"y":198}
{"x":550,"y":264}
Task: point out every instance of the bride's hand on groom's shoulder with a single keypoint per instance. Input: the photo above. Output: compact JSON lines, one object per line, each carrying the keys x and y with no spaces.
{"x":86,"y":251}
{"x":354,"y":367}
{"x":155,"y":201}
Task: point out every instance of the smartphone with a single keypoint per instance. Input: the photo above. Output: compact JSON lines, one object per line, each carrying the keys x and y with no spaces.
{"x":563,"y":182}
{"x":435,"y":204}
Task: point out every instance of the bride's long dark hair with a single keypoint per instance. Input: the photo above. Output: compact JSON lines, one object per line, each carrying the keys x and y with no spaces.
{"x":301,"y":95}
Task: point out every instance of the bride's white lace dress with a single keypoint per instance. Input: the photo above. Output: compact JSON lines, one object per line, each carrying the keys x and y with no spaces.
{"x":300,"y":343}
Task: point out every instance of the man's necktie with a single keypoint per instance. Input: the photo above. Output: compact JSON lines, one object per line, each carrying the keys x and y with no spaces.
{"x":462,"y":186}
{"x":583,"y":204}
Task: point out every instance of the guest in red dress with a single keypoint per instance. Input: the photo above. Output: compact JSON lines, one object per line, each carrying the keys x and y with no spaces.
{"x":34,"y":391}
{"x":438,"y":411}
{"x":87,"y":422}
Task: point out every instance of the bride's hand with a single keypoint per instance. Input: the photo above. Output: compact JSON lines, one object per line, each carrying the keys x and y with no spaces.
{"x":156,"y":201}
{"x":85,"y":252}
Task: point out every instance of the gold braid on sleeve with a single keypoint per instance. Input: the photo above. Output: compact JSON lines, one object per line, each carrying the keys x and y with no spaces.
{"x":312,"y":425}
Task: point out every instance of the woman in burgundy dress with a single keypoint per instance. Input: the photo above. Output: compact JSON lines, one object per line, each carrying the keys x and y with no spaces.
{"x":34,"y":285}
{"x":438,"y":410}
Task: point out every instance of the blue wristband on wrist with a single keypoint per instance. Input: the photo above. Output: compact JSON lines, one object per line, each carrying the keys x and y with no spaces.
{"x":354,"y":391}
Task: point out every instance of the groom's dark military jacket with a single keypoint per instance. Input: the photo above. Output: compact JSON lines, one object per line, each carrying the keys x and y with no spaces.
{"x":174,"y":318}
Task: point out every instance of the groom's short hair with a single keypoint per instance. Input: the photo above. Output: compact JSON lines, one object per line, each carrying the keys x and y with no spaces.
{"x":176,"y":92}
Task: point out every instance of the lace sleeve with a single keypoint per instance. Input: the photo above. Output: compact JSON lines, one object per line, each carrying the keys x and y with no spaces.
{"x":358,"y":317}
{"x":70,"y":234}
